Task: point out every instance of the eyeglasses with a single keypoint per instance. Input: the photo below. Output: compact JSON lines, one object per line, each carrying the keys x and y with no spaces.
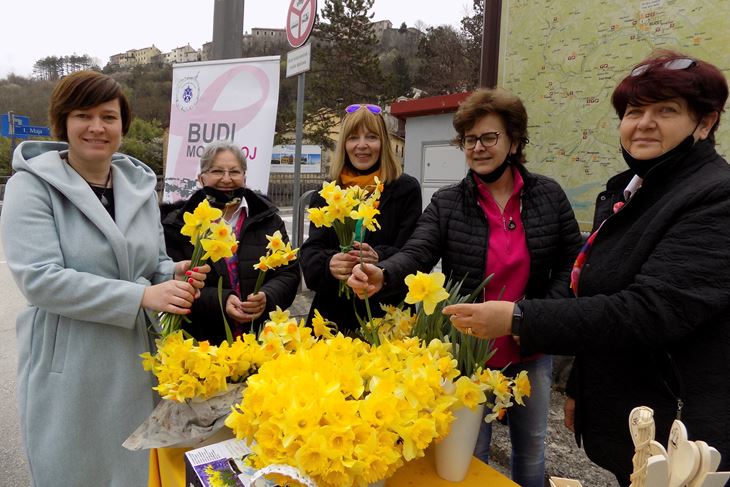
{"x":372,"y":108}
{"x":673,"y":65}
{"x":488,"y":139}
{"x":219,"y":173}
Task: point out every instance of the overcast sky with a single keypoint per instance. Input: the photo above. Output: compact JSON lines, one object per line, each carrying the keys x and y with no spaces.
{"x":32,"y":31}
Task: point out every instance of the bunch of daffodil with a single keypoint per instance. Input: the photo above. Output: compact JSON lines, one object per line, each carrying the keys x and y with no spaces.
{"x":278,"y":254}
{"x":474,"y":386}
{"x":397,"y":323}
{"x":349,"y":212}
{"x":344,"y":412}
{"x":189,"y":370}
{"x":502,"y":390}
{"x":212,"y":238}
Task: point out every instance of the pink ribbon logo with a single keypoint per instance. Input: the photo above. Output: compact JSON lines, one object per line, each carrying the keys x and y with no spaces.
{"x":185,"y":165}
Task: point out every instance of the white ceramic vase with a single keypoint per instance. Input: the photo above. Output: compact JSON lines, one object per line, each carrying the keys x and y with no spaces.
{"x":455,"y":451}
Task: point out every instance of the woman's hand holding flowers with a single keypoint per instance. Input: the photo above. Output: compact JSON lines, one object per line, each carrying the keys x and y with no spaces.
{"x":366,"y":280}
{"x":196,"y":276}
{"x":365,"y":252}
{"x":172,"y":296}
{"x":254,"y":306}
{"x":491,"y":319}
{"x":341,"y":265}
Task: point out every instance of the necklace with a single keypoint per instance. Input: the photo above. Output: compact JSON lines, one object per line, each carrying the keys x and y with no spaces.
{"x":99,"y":191}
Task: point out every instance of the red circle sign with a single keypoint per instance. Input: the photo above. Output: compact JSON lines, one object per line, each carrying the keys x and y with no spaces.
{"x":300,"y":21}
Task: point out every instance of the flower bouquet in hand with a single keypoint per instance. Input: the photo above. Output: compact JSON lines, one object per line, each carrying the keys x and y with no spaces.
{"x":349,"y":212}
{"x":212,"y":238}
{"x":277,"y":254}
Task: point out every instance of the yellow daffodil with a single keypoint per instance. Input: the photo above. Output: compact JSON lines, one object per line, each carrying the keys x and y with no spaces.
{"x":469,"y":393}
{"x":215,"y":250}
{"x":521,"y":387}
{"x":322,"y":328}
{"x":276,"y":242}
{"x":426,"y":288}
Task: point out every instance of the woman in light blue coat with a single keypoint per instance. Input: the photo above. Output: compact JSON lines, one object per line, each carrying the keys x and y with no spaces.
{"x":81,"y":232}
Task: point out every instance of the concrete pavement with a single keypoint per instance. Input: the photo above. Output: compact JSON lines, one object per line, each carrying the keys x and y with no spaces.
{"x":13,"y":468}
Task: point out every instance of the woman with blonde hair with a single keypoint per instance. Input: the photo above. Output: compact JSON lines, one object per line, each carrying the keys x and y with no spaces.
{"x":363,"y":152}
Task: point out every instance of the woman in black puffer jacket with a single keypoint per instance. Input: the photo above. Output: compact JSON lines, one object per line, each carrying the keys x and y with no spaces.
{"x":253,"y":217}
{"x":502,"y":220}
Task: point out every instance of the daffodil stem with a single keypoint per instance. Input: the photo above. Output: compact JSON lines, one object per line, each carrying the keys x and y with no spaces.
{"x":229,"y":335}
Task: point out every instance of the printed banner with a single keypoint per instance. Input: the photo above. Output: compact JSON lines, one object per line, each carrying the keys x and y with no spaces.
{"x":231,"y":99}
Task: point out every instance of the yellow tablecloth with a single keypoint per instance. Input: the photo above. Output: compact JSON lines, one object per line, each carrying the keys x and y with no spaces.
{"x":167,"y":469}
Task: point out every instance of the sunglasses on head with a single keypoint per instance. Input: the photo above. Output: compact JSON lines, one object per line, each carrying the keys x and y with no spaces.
{"x":674,"y":65}
{"x":372,"y":108}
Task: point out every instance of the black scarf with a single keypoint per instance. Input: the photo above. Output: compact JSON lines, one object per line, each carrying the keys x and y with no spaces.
{"x":496,"y":173}
{"x":643,"y":166}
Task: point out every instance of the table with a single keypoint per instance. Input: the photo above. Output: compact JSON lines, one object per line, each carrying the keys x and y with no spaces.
{"x":167,"y":469}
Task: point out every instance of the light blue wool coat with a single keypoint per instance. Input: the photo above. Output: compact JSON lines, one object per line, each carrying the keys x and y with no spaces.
{"x":81,"y":386}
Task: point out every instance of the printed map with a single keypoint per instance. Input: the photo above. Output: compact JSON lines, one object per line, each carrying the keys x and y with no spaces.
{"x":565,"y":57}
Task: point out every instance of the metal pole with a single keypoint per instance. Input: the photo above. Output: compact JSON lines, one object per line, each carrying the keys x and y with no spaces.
{"x":298,"y":156}
{"x":11,"y":132}
{"x":490,"y":43}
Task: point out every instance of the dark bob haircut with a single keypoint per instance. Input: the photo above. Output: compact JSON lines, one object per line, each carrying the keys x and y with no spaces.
{"x":701,"y":85}
{"x":501,"y":103}
{"x":82,"y":90}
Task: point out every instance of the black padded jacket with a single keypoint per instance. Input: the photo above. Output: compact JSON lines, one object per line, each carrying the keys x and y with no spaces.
{"x":453,"y":228}
{"x":652,"y":321}
{"x":280,"y":285}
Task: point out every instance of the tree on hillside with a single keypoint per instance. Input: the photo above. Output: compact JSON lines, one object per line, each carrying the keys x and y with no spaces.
{"x":149,"y":90}
{"x":54,"y":67}
{"x":345,"y":68}
{"x":26,"y":97}
{"x":400,"y":78}
{"x":443,"y":67}
{"x":144,"y":142}
{"x":472,"y":27}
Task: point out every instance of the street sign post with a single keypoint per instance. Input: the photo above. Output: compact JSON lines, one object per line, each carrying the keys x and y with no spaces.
{"x":299,"y":24}
{"x":19,"y":120}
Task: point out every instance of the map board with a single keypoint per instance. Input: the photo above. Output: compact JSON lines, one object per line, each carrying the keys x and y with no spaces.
{"x":565,"y":57}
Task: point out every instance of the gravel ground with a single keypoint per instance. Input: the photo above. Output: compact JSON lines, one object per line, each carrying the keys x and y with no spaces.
{"x":563,"y":458}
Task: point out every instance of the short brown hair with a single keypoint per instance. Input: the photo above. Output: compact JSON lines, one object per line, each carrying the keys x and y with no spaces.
{"x":497,"y":101}
{"x":81,"y":90}
{"x":390,"y":168}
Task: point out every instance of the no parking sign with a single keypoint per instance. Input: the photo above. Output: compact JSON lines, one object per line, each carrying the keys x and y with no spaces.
{"x":300,"y":21}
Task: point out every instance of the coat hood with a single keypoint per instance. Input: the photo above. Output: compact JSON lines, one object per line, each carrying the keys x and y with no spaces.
{"x":132,"y":180}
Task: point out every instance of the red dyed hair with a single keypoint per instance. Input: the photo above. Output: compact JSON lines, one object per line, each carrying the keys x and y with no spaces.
{"x":702,"y":86}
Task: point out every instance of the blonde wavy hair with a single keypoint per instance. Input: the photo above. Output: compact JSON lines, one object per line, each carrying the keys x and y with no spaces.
{"x":390,"y":168}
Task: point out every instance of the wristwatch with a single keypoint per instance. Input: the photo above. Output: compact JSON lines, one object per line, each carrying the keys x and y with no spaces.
{"x":516,"y":320}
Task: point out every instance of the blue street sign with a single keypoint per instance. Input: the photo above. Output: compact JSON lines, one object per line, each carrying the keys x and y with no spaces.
{"x":32,"y":130}
{"x":20,"y":120}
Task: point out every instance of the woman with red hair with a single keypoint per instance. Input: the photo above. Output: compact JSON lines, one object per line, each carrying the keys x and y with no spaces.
{"x":651,"y":322}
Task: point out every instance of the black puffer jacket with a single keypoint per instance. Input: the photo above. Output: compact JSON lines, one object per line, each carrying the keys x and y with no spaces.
{"x":453,"y":228}
{"x":280,"y":285}
{"x":400,"y":207}
{"x":652,"y":322}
